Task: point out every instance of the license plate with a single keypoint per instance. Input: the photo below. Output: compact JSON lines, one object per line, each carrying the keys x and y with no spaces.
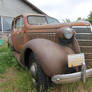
{"x":76,"y":60}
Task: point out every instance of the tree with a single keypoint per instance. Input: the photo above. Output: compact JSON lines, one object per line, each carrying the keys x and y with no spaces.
{"x":66,"y":20}
{"x":79,"y":18}
{"x":90,"y":17}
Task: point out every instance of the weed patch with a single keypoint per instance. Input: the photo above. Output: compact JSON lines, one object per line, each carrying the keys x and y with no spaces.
{"x":13,"y":77}
{"x":7,"y":60}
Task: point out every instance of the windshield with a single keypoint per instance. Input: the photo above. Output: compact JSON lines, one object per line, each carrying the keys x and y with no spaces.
{"x":51,"y":20}
{"x":37,"y":20}
{"x":41,"y":20}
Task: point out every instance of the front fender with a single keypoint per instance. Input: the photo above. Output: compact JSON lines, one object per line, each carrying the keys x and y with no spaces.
{"x":51,"y":56}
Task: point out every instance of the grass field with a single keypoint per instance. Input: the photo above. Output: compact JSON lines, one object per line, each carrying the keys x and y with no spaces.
{"x":13,"y":78}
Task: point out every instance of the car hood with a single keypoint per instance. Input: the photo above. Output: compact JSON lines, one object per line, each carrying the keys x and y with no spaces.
{"x":47,"y":26}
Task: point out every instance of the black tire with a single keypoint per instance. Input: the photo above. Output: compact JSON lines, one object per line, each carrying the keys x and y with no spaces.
{"x":42,"y":81}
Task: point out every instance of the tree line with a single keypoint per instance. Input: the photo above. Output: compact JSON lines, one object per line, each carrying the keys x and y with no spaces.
{"x":89,"y":18}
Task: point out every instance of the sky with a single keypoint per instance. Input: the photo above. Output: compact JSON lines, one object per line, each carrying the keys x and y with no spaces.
{"x":62,"y":9}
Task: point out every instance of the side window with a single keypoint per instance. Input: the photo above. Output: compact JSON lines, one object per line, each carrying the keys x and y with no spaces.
{"x":19,"y":23}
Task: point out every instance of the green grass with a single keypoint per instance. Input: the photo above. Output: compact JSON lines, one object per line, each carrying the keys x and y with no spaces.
{"x":6,"y":59}
{"x":14,"y":78}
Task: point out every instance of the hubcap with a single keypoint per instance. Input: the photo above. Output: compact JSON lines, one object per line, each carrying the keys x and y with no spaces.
{"x":33,"y":69}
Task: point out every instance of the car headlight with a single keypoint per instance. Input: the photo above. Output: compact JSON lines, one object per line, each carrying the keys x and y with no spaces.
{"x":68,"y":33}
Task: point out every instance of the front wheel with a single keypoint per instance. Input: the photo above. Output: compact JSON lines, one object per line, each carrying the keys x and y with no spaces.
{"x":41,"y":80}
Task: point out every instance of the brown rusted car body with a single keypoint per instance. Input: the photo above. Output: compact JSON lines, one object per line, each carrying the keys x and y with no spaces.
{"x":46,"y":41}
{"x":34,"y":37}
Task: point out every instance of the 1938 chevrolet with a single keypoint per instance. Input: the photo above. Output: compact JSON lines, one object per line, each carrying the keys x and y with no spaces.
{"x":49,"y":50}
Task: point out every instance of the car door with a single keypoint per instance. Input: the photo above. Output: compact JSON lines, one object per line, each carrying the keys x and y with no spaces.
{"x":18,"y":33}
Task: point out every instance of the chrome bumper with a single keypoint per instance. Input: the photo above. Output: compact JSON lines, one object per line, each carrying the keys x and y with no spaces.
{"x":69,"y":78}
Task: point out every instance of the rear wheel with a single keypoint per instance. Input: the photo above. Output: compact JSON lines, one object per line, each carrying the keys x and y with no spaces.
{"x":41,"y":81}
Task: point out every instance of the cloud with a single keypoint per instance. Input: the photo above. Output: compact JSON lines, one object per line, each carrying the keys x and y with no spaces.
{"x":46,"y":2}
{"x":62,"y":9}
{"x":83,"y":9}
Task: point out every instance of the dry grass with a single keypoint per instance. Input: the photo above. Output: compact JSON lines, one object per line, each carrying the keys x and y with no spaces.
{"x":15,"y":81}
{"x":75,"y":87}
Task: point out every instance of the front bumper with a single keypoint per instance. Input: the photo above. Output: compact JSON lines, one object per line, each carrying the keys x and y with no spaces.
{"x":69,"y":78}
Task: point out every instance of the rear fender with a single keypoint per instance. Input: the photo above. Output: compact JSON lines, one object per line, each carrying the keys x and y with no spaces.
{"x":51,"y":56}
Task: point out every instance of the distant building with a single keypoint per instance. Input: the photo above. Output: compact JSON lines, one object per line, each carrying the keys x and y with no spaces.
{"x":11,"y":8}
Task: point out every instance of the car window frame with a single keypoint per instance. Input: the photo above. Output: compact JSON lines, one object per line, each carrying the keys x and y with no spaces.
{"x":37,"y":16}
{"x":16,"y":20}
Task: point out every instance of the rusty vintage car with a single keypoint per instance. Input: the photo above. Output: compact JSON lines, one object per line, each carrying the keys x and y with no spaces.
{"x":48,"y":49}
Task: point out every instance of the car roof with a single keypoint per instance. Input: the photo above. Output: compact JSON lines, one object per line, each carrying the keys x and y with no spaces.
{"x":30,"y":14}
